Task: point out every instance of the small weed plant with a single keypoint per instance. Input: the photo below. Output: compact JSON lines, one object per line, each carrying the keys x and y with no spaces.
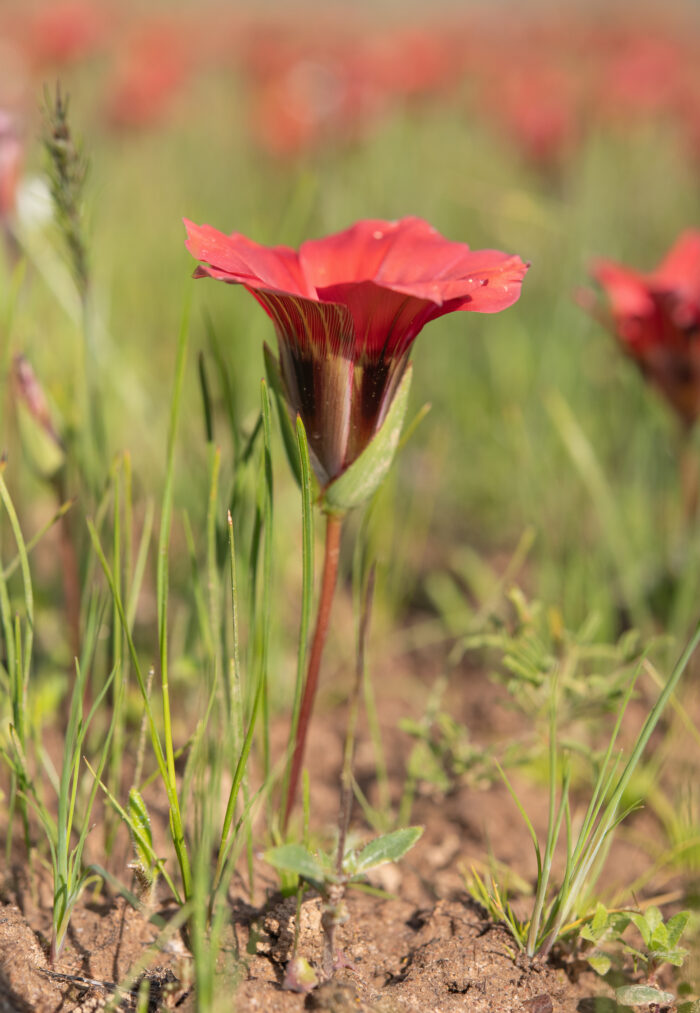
{"x":331,"y":874}
{"x":559,"y":908}
{"x":659,"y":945}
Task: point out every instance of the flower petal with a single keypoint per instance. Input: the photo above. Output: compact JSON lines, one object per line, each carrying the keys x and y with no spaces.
{"x":492,"y":282}
{"x":319,"y":389}
{"x":239,"y":260}
{"x":321,"y":328}
{"x":680,"y":269}
{"x":411,"y":257}
{"x":355,"y":254}
{"x":385,"y":321}
{"x":626,"y":289}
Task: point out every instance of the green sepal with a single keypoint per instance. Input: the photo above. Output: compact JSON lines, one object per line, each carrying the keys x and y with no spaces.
{"x":366,"y":473}
{"x":289,"y":436}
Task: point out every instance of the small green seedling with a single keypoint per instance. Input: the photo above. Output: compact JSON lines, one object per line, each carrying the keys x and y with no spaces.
{"x":558,"y":909}
{"x":535,"y":648}
{"x":444,"y":753}
{"x":659,"y":946}
{"x":603,"y":928}
{"x":320,"y":871}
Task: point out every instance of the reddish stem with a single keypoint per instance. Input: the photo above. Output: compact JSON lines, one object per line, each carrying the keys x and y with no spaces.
{"x":334,"y":524}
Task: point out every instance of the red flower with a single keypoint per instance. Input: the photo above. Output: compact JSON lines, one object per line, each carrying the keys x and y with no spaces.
{"x":152,"y":67}
{"x":347,"y":309}
{"x":310,"y":102}
{"x":645,"y":75}
{"x":656,"y":317}
{"x":536,"y":106}
{"x":409,"y":62}
{"x":66,"y":31}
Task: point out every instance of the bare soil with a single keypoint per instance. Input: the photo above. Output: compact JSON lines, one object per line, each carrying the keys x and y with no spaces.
{"x":425,"y":946}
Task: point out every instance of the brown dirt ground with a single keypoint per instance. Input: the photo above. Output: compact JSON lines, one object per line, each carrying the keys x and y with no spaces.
{"x":426,"y":947}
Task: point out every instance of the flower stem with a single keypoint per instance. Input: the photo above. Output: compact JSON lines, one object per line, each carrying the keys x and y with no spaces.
{"x":334,"y":524}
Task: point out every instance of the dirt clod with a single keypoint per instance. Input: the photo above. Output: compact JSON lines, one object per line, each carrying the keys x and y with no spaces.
{"x":279,"y":930}
{"x":23,"y":987}
{"x":539,"y":1004}
{"x":334,"y":997}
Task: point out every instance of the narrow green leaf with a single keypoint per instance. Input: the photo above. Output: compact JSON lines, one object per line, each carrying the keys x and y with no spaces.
{"x":289,"y":438}
{"x":526,"y":818}
{"x":140,"y":821}
{"x":26,"y":576}
{"x":307,"y":589}
{"x":206,"y":399}
{"x":215,"y":620}
{"x":584,"y":458}
{"x":134,"y":830}
{"x":36,"y":538}
{"x":224,"y":381}
{"x":265,"y":613}
{"x":140,"y":564}
{"x":162,"y":570}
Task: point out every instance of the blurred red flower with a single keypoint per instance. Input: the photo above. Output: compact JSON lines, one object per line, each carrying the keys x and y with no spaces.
{"x":309,"y":102}
{"x":643,"y":75}
{"x":536,"y":105}
{"x":409,"y":62}
{"x":347,"y":309}
{"x":65,"y":32}
{"x":656,"y":317}
{"x":306,"y":89}
{"x":153,"y":66}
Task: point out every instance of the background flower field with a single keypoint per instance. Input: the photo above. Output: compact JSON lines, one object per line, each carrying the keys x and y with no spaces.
{"x":533,"y":542}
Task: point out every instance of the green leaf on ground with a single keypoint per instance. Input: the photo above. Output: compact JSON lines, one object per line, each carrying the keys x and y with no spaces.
{"x":637,"y":995}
